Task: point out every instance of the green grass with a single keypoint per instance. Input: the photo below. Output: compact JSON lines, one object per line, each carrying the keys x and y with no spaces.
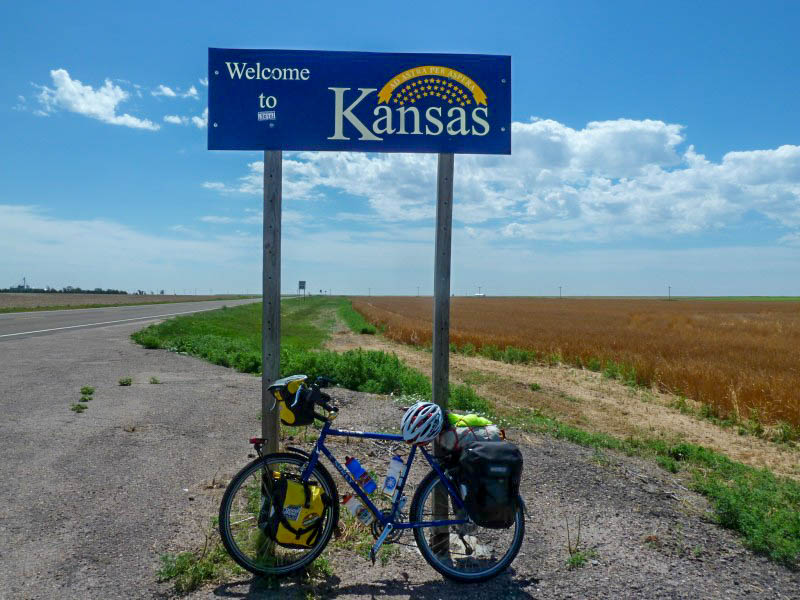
{"x":231,"y":337}
{"x":78,"y":408}
{"x":125,"y":381}
{"x":190,"y":570}
{"x":87,"y":390}
{"x":355,"y":320}
{"x":579,"y":558}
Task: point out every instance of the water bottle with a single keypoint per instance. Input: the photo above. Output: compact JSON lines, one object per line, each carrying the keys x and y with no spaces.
{"x":360,"y":475}
{"x":393,"y":476}
{"x":358,"y":510}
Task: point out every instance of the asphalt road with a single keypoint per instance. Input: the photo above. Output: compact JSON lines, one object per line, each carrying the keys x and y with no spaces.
{"x":88,"y":502}
{"x":28,"y":324}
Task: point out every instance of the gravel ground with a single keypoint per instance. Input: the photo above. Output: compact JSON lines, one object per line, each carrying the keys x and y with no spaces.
{"x":90,"y":501}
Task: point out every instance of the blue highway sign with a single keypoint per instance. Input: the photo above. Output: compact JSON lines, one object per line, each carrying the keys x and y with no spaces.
{"x":358,"y":101}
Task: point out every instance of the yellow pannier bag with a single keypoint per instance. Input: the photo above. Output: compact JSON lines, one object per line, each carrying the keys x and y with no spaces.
{"x":295,"y":515}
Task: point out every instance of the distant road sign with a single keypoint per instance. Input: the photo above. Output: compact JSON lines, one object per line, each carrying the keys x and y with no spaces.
{"x":301,"y":285}
{"x":358,"y":101}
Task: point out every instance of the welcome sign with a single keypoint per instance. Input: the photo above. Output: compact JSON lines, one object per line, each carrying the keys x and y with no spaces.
{"x":358,"y":101}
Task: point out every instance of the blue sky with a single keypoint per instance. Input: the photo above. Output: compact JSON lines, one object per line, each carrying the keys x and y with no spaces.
{"x":653,"y":144}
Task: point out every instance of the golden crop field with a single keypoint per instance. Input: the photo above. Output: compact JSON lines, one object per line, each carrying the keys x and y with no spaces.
{"x":740,"y":357}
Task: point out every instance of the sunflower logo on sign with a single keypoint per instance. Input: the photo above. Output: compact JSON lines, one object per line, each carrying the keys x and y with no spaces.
{"x":440,"y":84}
{"x":426,"y":100}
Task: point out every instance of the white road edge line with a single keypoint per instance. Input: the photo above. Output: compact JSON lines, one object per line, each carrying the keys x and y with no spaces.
{"x":105,"y":322}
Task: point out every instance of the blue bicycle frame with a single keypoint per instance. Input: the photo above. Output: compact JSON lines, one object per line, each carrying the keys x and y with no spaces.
{"x":383,"y":519}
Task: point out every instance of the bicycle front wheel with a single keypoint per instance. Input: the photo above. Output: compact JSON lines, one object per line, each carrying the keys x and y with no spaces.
{"x":465,"y":553}
{"x":243,"y":502}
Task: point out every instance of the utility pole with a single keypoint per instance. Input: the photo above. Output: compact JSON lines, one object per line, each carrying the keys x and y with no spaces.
{"x":559,"y":292}
{"x":669,"y":292}
{"x":417,"y":291}
{"x":479,"y":290}
{"x":369,"y":291}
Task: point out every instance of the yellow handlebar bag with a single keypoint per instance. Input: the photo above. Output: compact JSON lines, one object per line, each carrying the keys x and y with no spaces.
{"x":295,"y":400}
{"x":295,"y":514}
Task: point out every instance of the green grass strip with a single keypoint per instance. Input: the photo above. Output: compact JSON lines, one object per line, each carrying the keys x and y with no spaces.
{"x":355,"y":320}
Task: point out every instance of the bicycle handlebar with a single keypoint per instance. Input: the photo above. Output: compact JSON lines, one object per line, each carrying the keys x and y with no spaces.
{"x":324,"y":400}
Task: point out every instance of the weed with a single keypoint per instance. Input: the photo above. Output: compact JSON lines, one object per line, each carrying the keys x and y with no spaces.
{"x":85,"y":399}
{"x":594,"y":364}
{"x":87,"y":390}
{"x":668,"y":463}
{"x":535,"y":387}
{"x":785,"y":433}
{"x":155,"y":380}
{"x":463,"y":397}
{"x":125,"y":381}
{"x":78,"y":408}
{"x":683,"y":406}
{"x":189,"y":571}
{"x":577,"y":556}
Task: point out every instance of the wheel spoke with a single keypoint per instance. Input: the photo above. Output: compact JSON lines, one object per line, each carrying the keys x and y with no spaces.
{"x":466,"y":552}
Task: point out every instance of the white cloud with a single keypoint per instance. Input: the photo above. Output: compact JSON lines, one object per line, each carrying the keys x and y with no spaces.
{"x":611,"y":180}
{"x":65,"y":252}
{"x":298,"y":184}
{"x":217,"y":220}
{"x":176,"y":119}
{"x":201,"y":122}
{"x":163,"y":90}
{"x":101,"y":104}
{"x":191,"y":93}
{"x":203,"y":81}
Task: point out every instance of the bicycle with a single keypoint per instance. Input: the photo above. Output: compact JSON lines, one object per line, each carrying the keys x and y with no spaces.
{"x":455,"y":546}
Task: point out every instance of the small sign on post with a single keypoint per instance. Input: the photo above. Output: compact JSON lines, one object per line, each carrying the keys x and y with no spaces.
{"x":301,"y":285}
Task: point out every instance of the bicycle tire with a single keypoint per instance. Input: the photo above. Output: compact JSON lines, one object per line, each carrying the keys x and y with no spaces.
{"x":235,"y":546}
{"x":417,"y":514}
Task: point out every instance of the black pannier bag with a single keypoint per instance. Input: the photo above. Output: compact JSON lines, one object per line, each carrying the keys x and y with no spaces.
{"x":490,"y":473}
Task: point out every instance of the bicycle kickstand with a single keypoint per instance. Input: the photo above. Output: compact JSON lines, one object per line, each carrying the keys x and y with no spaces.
{"x":379,"y":542}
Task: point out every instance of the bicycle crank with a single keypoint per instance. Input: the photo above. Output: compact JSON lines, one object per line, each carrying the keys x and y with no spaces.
{"x":377,"y":531}
{"x":377,"y":545}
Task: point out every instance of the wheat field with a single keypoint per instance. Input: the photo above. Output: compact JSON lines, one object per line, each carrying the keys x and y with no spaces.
{"x":741,"y":358}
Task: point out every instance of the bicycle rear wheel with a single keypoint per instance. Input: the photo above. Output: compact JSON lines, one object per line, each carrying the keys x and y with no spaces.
{"x":465,"y":553}
{"x":240,"y":507}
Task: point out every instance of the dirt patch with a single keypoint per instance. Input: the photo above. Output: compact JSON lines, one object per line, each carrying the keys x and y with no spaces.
{"x":588,"y":400}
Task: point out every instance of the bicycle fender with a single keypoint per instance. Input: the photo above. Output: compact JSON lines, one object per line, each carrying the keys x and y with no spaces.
{"x":297,"y":451}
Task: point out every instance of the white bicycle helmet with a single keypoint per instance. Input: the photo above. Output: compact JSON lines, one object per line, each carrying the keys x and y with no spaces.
{"x":422,"y":423}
